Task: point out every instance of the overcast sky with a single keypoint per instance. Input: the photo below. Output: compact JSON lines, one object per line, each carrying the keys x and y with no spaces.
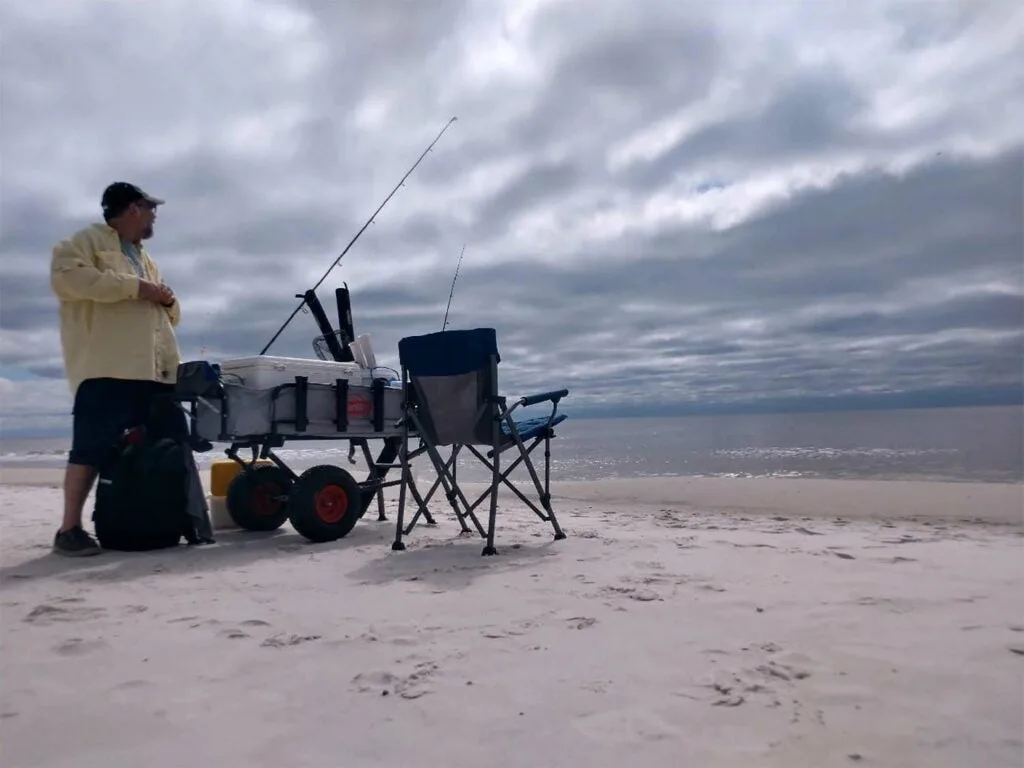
{"x":661,"y":200}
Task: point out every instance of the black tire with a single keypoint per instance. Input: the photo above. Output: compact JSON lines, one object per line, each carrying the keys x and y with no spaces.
{"x":257,"y":499}
{"x":325,"y":503}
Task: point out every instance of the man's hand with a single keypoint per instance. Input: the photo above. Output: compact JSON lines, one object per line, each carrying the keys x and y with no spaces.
{"x":156,"y":293}
{"x":168,"y":295}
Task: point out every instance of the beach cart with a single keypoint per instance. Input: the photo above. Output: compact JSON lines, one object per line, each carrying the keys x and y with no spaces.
{"x":258,"y":405}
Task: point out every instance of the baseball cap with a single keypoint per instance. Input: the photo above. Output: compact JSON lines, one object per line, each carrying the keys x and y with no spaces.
{"x":121,"y":194}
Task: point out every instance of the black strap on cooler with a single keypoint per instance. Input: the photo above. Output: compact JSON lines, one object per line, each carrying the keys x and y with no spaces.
{"x":341,"y":404}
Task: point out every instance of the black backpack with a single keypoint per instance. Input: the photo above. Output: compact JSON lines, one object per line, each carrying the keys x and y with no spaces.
{"x":149,"y":494}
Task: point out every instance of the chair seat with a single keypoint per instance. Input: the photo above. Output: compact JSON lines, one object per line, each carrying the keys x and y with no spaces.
{"x":531,"y":427}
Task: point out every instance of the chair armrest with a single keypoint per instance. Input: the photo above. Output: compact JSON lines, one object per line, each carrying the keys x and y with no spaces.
{"x":553,"y":396}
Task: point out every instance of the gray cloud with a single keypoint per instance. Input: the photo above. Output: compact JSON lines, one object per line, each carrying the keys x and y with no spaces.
{"x":693,"y":204}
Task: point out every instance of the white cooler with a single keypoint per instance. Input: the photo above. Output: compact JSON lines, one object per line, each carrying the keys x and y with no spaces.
{"x":266,"y":371}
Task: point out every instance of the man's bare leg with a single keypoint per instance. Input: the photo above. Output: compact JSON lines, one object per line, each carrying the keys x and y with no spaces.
{"x":78,"y":482}
{"x":71,"y":539}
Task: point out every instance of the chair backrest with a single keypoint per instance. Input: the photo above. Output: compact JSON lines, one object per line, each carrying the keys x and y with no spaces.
{"x":454,"y":378}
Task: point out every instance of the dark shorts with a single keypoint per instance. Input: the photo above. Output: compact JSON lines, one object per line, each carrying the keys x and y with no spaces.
{"x":103,"y":410}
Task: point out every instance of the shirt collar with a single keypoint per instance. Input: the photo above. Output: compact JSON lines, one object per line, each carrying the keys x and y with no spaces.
{"x":114,"y":233}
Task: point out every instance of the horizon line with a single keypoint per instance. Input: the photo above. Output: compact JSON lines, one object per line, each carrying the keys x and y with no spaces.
{"x":820,"y":404}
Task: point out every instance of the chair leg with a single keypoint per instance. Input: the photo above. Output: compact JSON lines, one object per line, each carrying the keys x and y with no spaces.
{"x":421,"y":505}
{"x":422,"y":502}
{"x":545,"y":511}
{"x":398,"y":545}
{"x":453,"y":497}
{"x":492,"y":518}
{"x":451,"y":493}
{"x":370,"y":461}
{"x":451,"y":489}
{"x":559,"y":533}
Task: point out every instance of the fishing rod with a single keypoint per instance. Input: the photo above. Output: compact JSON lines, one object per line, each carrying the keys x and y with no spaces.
{"x":357,"y":235}
{"x":452,"y":292}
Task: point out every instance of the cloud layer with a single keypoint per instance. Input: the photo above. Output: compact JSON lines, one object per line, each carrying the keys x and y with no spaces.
{"x":659,"y":201}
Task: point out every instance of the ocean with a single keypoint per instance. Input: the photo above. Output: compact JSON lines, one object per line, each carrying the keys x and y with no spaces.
{"x":951,"y":444}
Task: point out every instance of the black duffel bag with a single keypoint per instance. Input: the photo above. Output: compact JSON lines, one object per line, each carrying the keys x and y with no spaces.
{"x":148,"y":493}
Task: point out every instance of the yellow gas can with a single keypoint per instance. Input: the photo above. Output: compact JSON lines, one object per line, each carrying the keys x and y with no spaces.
{"x":223,"y":472}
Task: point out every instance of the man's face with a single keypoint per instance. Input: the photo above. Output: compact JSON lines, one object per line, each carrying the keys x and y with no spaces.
{"x":143,"y":216}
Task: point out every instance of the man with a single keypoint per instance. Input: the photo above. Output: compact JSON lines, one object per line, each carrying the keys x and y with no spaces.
{"x":117,"y":322}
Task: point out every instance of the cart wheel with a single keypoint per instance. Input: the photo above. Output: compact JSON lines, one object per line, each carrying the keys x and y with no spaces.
{"x":257,"y":499}
{"x":325,"y":503}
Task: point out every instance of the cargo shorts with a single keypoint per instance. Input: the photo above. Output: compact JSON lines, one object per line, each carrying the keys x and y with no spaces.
{"x":104,"y":409}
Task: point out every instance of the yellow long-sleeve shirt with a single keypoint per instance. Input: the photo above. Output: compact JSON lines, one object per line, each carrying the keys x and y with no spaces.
{"x":105,"y":329}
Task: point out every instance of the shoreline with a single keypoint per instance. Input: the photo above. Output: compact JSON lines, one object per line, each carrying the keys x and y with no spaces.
{"x":868,"y":499}
{"x":998,"y":503}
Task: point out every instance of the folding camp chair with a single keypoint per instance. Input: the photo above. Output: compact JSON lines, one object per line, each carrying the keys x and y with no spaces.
{"x":451,"y":399}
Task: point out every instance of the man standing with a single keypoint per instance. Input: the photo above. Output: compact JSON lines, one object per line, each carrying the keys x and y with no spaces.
{"x":117,"y":322}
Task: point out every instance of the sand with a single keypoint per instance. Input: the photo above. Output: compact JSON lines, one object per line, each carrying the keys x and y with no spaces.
{"x":683,"y":622}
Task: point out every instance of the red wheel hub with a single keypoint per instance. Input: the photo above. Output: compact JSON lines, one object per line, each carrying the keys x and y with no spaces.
{"x":264,"y":501}
{"x":331,"y":503}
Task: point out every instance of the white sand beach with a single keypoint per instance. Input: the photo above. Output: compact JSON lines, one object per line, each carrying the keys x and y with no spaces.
{"x":683,"y":622}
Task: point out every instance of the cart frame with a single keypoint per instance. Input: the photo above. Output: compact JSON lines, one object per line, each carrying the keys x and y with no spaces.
{"x":324,"y":502}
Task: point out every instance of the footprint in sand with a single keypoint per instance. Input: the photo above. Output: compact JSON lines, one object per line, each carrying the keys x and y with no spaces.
{"x":521,"y":628}
{"x":669,"y":519}
{"x":197,"y":622}
{"x":648,"y":580}
{"x":640,"y":595}
{"x":287,"y":640}
{"x":50,"y":613}
{"x":766,"y":683}
{"x":366,"y":682}
{"x":729,"y":696}
{"x":410,"y":686}
{"x":709,"y":587}
{"x":783,"y":671}
{"x":415,"y":685}
{"x":76,"y":646}
{"x":904,"y":539}
{"x":580,"y":622}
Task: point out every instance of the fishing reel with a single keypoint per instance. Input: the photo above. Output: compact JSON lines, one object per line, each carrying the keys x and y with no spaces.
{"x":323,"y":344}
